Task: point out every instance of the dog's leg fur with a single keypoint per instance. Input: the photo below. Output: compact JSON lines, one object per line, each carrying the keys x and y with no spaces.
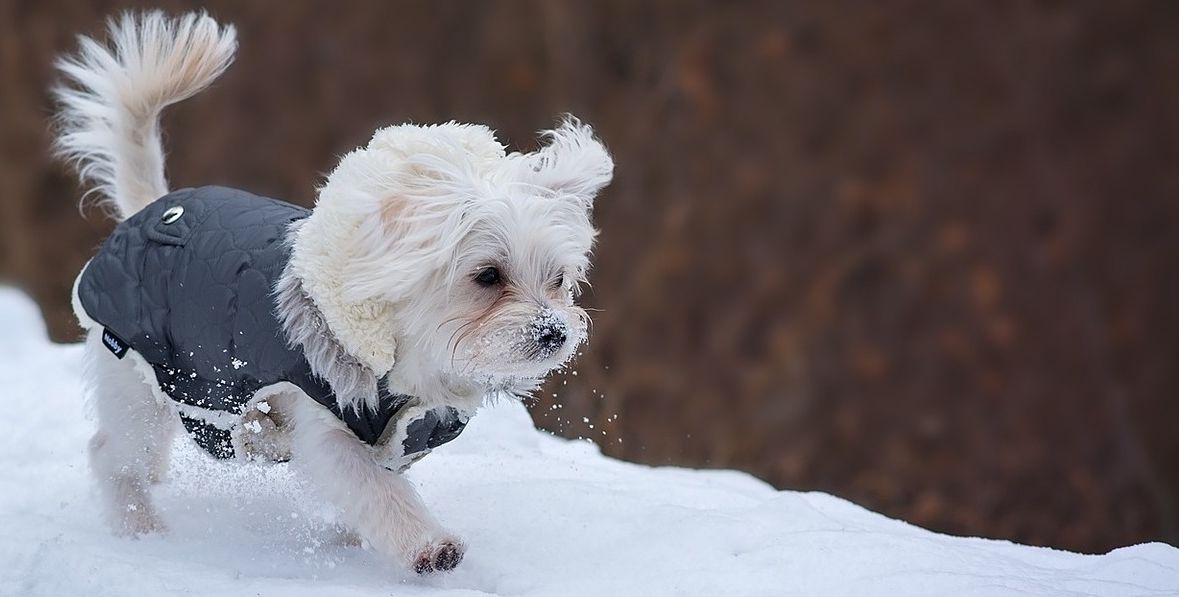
{"x":130,"y":450}
{"x":379,"y":504}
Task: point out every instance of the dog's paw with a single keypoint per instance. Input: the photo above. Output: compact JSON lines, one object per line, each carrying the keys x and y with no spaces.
{"x":157,"y":474}
{"x":260,"y":438}
{"x":139,"y":521}
{"x":439,"y":557}
{"x":348,"y":537}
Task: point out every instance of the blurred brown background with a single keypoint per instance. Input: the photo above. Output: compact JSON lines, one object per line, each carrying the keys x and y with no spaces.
{"x":918,"y":254}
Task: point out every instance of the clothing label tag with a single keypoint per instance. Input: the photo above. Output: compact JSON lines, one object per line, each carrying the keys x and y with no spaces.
{"x":113,"y":343}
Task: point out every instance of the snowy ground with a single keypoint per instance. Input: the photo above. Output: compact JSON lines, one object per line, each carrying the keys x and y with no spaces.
{"x":543,"y":516}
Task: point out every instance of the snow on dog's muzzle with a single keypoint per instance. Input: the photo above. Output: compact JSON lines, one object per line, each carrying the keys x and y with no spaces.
{"x":548,"y":333}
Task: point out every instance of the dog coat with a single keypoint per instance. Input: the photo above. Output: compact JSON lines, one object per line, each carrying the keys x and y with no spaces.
{"x":188,"y":284}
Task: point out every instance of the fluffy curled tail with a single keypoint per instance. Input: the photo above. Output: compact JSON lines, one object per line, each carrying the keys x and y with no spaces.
{"x":112,"y":96}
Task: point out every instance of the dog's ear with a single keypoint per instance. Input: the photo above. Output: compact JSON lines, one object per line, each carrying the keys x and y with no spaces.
{"x":572,"y":163}
{"x":406,"y":192}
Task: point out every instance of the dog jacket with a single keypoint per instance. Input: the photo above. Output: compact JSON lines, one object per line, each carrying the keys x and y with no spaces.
{"x":188,"y":284}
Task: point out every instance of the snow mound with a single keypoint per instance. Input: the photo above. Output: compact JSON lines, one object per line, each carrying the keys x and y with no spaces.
{"x":543,"y":516}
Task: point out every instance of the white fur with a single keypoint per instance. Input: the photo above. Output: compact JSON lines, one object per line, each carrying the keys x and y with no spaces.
{"x":381,"y":286}
{"x":381,"y":505}
{"x":111,"y":102}
{"x":130,"y":449}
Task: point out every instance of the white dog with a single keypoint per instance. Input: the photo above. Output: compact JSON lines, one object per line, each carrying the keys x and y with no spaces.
{"x":435,"y":271}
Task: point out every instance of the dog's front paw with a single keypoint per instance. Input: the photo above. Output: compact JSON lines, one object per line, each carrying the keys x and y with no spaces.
{"x":442,"y":556}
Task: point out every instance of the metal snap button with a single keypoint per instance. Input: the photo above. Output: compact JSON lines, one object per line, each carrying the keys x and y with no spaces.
{"x":172,"y":214}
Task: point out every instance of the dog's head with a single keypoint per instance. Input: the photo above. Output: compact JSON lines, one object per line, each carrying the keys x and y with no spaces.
{"x":479,"y":253}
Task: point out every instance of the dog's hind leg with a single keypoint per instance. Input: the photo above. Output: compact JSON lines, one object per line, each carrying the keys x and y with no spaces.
{"x":160,"y":453}
{"x":380,"y":505}
{"x":130,"y":449}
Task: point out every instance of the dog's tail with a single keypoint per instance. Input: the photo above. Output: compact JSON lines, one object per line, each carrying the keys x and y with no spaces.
{"x":112,"y":96}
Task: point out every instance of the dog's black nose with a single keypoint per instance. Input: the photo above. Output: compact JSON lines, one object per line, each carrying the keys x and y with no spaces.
{"x":550,"y":338}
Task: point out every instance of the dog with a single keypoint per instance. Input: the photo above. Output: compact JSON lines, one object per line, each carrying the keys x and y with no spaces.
{"x":436,"y":271}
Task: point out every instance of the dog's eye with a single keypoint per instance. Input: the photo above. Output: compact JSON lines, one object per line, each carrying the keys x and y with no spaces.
{"x":488,"y":276}
{"x":558,"y":283}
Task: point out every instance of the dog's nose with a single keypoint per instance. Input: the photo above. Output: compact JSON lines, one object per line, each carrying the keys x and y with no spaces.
{"x":551,"y":337}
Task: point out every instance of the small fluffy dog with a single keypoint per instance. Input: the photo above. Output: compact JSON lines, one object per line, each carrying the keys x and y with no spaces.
{"x":435,"y":271}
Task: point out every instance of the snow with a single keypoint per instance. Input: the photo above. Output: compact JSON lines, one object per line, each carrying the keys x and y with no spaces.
{"x":542,"y":516}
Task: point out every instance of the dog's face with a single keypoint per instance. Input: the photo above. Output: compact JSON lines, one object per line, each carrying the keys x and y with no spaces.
{"x":481,"y":252}
{"x":509,"y":307}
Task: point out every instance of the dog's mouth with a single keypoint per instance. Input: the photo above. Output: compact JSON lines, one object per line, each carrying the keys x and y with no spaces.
{"x":532,"y":362}
{"x":532,"y":356}
{"x":519,"y":381}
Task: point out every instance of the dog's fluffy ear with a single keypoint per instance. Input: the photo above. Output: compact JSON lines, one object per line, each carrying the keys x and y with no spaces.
{"x":572,"y":163}
{"x":406,"y":191}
